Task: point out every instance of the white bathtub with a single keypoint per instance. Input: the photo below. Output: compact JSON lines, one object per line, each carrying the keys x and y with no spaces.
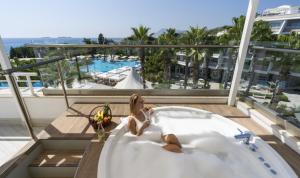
{"x":265,"y":158}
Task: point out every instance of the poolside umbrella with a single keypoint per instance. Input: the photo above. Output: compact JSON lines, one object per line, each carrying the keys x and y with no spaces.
{"x":132,"y":81}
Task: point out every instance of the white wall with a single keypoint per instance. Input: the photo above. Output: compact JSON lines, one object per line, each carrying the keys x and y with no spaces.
{"x":44,"y":109}
{"x":41,"y":109}
{"x":8,"y":108}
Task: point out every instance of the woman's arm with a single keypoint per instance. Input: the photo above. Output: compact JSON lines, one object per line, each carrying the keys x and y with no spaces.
{"x":145,"y":125}
{"x":132,"y":126}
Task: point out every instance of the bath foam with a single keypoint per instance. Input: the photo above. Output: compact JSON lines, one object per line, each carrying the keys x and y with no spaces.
{"x":210,"y":155}
{"x":205,"y":154}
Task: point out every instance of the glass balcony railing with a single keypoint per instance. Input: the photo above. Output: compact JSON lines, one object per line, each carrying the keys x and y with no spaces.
{"x":269,"y":77}
{"x":274,"y":83}
{"x":261,"y":67}
{"x":156,"y":68}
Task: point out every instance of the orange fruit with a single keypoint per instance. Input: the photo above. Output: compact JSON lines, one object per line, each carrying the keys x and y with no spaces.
{"x":106,"y":120}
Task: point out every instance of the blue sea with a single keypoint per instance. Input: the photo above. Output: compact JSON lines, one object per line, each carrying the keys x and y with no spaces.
{"x":17,"y":42}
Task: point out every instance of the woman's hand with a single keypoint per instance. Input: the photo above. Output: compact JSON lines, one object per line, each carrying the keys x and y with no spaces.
{"x":149,"y":109}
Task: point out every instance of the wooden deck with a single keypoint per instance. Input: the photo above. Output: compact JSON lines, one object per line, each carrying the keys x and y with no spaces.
{"x":73,"y":124}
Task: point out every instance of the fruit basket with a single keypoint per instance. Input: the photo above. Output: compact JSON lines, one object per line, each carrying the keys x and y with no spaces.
{"x":100,"y":117}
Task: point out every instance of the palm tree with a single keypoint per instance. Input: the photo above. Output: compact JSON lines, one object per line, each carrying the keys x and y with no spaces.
{"x":206,"y":70}
{"x":87,"y":41}
{"x":186,"y":71}
{"x":235,"y":32}
{"x":91,"y":51}
{"x":88,"y":61}
{"x":274,"y":87}
{"x":293,"y":40}
{"x":286,"y":62}
{"x":233,"y":38}
{"x":261,"y":32}
{"x":196,"y":36}
{"x":141,"y":35}
{"x":184,"y":40}
{"x":101,"y":39}
{"x":170,"y":37}
{"x":78,"y":68}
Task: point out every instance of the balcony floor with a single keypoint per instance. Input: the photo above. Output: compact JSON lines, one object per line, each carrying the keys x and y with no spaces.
{"x":12,"y":139}
{"x":71,"y":124}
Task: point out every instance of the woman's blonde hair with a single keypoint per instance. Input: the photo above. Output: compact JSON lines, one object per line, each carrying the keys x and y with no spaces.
{"x":132,"y":101}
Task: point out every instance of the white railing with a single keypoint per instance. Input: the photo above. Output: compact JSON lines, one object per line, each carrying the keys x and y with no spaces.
{"x":28,"y":80}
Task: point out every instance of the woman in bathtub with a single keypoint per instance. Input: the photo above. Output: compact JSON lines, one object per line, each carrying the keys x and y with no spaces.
{"x":139,"y":120}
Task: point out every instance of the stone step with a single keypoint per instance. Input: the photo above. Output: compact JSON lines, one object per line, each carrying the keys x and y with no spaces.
{"x":56,"y":164}
{"x":58,"y":158}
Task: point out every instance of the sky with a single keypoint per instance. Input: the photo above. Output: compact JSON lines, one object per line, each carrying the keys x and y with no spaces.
{"x":114,"y":18}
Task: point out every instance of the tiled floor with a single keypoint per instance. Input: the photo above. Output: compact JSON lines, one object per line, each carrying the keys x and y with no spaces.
{"x":12,"y":139}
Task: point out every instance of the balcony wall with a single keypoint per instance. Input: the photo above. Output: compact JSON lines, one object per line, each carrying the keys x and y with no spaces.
{"x":43,"y":109}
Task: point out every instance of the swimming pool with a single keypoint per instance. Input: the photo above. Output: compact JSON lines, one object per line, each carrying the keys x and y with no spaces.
{"x":101,"y":65}
{"x":34,"y":84}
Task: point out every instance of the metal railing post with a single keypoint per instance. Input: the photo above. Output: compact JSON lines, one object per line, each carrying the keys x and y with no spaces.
{"x":62,"y":84}
{"x":250,"y":18}
{"x":6,"y":65}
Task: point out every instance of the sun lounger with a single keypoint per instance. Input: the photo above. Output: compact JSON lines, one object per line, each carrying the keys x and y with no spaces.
{"x":125,"y":68}
{"x":94,"y":74}
{"x":262,"y":95}
{"x":114,"y":71}
{"x":104,"y":75}
{"x":117,"y":77}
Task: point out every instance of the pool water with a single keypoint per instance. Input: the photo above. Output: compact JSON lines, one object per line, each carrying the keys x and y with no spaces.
{"x":101,"y":65}
{"x":34,"y":84}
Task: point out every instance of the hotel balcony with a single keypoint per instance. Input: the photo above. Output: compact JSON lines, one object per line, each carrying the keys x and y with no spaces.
{"x":190,"y":107}
{"x":57,"y":106}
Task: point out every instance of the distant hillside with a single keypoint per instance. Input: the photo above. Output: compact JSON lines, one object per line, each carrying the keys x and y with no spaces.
{"x":213,"y":31}
{"x":118,"y":40}
{"x":18,"y":42}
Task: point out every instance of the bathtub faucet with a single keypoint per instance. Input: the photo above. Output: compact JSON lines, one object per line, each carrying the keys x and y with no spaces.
{"x":245,"y":136}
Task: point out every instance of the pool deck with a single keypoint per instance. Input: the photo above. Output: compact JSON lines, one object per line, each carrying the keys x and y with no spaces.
{"x":73,"y":124}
